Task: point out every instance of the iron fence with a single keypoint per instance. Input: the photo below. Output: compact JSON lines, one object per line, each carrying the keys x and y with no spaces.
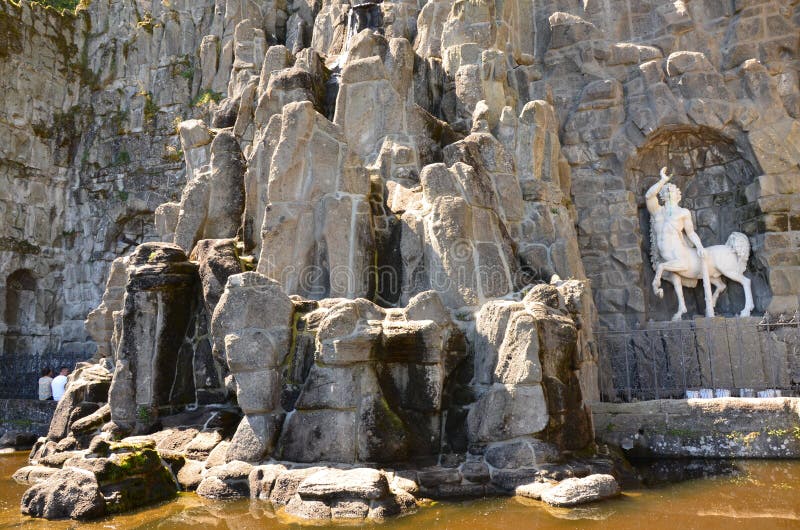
{"x":745,"y":357}
{"x":19,"y":373}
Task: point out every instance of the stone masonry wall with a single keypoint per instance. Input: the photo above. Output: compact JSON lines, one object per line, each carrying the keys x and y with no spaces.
{"x":696,"y":428}
{"x":624,"y":75}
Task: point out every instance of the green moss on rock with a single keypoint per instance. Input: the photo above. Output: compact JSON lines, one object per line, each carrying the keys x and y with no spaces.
{"x":60,"y":5}
{"x":135,"y":479}
{"x":10,"y":34}
{"x":19,"y":246}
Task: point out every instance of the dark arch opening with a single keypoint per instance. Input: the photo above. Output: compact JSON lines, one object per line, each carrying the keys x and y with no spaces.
{"x":21,"y":299}
{"x":713,"y":176}
{"x":21,"y":311}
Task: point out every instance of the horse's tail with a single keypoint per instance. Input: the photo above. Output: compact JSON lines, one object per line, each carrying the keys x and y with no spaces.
{"x":740,"y":244}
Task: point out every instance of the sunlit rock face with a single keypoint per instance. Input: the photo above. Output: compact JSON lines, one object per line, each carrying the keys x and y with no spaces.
{"x":337,"y":231}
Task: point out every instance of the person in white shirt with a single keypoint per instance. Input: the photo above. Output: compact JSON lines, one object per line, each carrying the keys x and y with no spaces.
{"x":59,"y":384}
{"x":45,"y":390}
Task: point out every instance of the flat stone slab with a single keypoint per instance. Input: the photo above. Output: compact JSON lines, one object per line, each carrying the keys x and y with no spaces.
{"x":361,"y":483}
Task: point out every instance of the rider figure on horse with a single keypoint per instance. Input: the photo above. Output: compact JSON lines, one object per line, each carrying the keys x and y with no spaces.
{"x":670,"y":222}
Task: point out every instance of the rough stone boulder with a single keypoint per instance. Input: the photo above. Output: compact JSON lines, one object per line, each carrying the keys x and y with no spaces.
{"x":255,"y":344}
{"x":574,"y":491}
{"x":533,"y":490}
{"x":100,"y":322}
{"x":362,"y":483}
{"x":353,"y":494}
{"x":87,"y":390}
{"x":526,"y":357}
{"x":375,"y":390}
{"x":17,"y":440}
{"x":318,"y":219}
{"x":33,"y":474}
{"x":227,"y":481}
{"x":455,"y":240}
{"x":90,"y":486}
{"x":262,"y":479}
{"x":568,"y":29}
{"x":285,"y":483}
{"x":226,"y":188}
{"x":68,"y":493}
{"x":217,"y":260}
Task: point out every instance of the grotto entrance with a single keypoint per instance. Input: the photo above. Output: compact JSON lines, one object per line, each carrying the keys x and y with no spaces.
{"x":20,"y":311}
{"x":712,"y":175}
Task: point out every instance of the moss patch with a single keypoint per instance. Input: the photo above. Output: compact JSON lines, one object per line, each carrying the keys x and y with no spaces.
{"x":59,"y":5}
{"x":150,"y":108}
{"x":10,"y":35}
{"x":147,"y":22}
{"x":173,"y":154}
{"x":123,"y":158}
{"x":206,"y":97}
{"x":135,"y":479}
{"x":20,"y":246}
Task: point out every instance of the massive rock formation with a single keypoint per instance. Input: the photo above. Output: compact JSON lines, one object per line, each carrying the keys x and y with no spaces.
{"x":91,"y":148}
{"x":358,"y":247}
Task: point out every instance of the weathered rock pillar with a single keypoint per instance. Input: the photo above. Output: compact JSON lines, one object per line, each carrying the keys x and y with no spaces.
{"x":151,"y":374}
{"x":252,"y":324}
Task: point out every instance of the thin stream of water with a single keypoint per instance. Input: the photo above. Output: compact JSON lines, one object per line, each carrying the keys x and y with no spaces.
{"x":746,"y":494}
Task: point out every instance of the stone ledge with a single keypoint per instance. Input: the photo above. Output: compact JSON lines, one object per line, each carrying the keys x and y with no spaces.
{"x":710,"y":428}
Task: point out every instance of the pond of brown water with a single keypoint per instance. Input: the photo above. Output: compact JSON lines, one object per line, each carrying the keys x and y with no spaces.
{"x":739,"y":494}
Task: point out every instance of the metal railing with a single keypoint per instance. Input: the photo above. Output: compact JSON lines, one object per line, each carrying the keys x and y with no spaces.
{"x":722,"y":356}
{"x":19,"y":373}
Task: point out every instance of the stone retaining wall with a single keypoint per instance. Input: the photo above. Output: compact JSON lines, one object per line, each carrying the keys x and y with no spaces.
{"x":710,"y":428}
{"x":30,"y":415}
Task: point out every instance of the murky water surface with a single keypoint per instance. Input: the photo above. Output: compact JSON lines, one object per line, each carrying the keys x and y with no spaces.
{"x":751,"y":494}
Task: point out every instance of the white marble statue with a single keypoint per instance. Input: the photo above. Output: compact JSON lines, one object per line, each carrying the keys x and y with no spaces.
{"x":672,"y":236}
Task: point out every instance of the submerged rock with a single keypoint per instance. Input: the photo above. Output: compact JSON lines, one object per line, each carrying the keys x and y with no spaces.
{"x":353,"y":494}
{"x":69,"y":493}
{"x":362,"y":483}
{"x":227,"y":481}
{"x":89,"y":487}
{"x":574,"y":491}
{"x":17,"y":440}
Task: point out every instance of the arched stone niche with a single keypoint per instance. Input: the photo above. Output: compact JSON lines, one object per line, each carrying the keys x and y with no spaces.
{"x":712,"y":175}
{"x":20,"y":311}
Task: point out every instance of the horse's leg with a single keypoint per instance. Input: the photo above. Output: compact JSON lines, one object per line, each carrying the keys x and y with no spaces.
{"x":675,"y":266}
{"x":748,"y":294}
{"x":719,"y":283}
{"x":676,"y":283}
{"x":657,"y":290}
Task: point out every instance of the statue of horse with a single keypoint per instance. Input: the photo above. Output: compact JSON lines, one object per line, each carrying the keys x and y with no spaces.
{"x":673,"y":258}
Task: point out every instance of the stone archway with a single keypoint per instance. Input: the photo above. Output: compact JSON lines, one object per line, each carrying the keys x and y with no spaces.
{"x":20,"y":311}
{"x":713,"y":176}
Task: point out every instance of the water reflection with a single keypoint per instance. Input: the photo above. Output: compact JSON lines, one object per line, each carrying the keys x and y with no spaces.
{"x":594,"y":512}
{"x":679,"y":494}
{"x":654,"y":473}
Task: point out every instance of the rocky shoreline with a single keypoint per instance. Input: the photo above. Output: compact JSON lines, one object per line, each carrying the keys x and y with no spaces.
{"x":111,"y":477}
